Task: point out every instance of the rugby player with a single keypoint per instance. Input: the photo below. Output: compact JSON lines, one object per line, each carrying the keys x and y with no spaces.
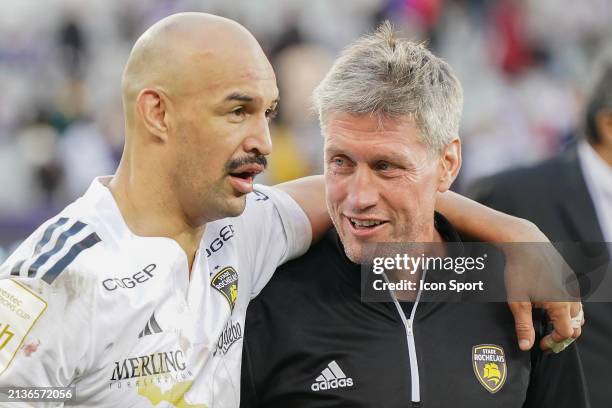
{"x":390,"y":113}
{"x":136,"y":293}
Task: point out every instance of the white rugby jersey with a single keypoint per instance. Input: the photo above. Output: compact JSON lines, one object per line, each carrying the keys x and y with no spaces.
{"x":84,"y":301}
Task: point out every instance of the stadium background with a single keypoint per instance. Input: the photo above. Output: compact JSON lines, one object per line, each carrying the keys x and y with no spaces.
{"x":524,"y":65}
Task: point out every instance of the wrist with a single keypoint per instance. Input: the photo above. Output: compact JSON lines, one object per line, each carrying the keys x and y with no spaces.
{"x":522,"y":230}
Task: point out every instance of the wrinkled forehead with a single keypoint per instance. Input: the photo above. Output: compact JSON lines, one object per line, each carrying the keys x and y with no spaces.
{"x":368,"y":136}
{"x":370,"y":127}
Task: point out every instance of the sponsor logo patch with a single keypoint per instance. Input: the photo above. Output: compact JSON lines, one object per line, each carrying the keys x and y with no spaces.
{"x":332,"y":377}
{"x":489,"y":362}
{"x":162,"y":362}
{"x":20,"y":308}
{"x":130,"y":282}
{"x":230,"y":335}
{"x":225,"y":234}
{"x":161,"y":377}
{"x":152,"y":327}
{"x":226,"y":282}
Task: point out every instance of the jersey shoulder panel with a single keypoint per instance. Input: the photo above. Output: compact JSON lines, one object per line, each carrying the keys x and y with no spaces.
{"x":51,"y":250}
{"x":78,"y":239}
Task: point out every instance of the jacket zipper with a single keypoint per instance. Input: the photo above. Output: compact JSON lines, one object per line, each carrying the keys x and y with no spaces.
{"x":409,"y":326}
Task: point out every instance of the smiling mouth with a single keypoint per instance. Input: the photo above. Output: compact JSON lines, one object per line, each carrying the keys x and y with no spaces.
{"x":365,"y":224}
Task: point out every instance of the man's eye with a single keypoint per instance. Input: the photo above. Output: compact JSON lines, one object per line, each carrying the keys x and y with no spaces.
{"x":340,"y":165}
{"x":271,"y":113}
{"x":383,"y":166}
{"x":240,"y":111}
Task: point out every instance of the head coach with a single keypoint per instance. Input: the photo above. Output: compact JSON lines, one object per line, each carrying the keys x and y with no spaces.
{"x":390,"y":113}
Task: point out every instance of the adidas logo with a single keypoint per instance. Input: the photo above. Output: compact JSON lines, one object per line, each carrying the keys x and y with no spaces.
{"x":152,"y":327}
{"x":331,"y":377}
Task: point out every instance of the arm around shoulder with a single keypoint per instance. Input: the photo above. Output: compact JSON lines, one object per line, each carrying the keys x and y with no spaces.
{"x":309,"y":193}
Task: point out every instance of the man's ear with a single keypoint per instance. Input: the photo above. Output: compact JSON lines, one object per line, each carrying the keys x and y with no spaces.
{"x":603,"y":122}
{"x":450,"y":163}
{"x":151,"y":105}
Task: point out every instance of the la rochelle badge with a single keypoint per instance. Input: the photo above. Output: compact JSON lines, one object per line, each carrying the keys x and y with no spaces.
{"x":489,"y":364}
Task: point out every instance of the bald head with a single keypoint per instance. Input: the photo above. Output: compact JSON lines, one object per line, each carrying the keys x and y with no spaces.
{"x":198,"y":94}
{"x":179,"y":52}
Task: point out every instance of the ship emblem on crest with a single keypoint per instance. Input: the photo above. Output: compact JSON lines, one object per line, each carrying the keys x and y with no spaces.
{"x":489,"y":362}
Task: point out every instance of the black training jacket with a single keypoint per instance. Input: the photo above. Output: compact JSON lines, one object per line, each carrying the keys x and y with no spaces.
{"x":311,"y":342}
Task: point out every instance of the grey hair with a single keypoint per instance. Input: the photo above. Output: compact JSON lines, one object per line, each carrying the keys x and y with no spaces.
{"x":380,"y":74}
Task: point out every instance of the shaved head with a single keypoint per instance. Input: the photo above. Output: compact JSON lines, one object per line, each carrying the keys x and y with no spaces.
{"x":198,"y":94}
{"x":175,"y":53}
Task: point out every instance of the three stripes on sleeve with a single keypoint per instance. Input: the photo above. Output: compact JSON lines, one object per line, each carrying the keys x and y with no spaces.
{"x":55,"y":251}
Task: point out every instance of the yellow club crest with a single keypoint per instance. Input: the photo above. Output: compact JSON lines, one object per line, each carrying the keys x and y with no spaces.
{"x":489,"y":362}
{"x":226,"y":282}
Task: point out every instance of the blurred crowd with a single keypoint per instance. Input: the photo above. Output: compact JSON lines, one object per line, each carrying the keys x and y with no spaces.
{"x":524,"y":65}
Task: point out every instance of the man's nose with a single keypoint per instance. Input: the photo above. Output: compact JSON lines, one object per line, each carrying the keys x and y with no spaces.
{"x":362,"y":189}
{"x":259,"y":139}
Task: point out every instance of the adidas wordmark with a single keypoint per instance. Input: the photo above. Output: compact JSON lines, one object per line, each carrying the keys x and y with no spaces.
{"x":330,"y":378}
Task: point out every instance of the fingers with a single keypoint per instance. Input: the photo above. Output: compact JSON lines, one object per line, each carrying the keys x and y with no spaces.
{"x":577,"y":322}
{"x":523,"y":324}
{"x":560,"y":316}
{"x":567,"y":319}
{"x":575,"y":309}
{"x":577,"y":333}
{"x":548,"y":344}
